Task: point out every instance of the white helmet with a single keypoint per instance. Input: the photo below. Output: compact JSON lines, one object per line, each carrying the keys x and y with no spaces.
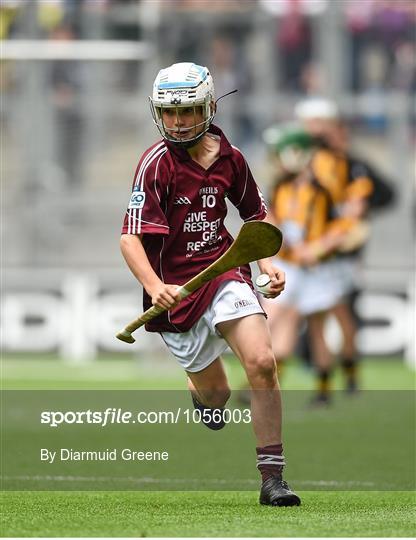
{"x":317,"y":107}
{"x":183,"y":85}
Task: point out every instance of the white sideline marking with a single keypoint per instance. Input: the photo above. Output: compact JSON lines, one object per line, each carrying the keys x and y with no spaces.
{"x":149,"y":480}
{"x":144,"y":480}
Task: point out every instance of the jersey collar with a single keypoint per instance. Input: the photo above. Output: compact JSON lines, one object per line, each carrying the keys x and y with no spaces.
{"x":183,"y":155}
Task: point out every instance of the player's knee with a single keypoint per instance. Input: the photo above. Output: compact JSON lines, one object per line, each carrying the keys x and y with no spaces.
{"x":215,"y":397}
{"x":262,"y":369}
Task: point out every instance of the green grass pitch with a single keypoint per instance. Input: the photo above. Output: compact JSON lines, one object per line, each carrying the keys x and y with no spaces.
{"x":197,"y":513}
{"x":201,"y":514}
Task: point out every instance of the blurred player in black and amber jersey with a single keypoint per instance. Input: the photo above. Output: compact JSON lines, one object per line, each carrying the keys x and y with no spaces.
{"x":306,"y":214}
{"x":355,"y":188}
{"x":349,"y":179}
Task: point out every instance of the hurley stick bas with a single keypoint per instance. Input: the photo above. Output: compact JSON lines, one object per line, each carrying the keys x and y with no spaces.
{"x":256,"y":240}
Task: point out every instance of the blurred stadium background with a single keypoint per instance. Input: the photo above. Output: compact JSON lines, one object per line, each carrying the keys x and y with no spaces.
{"x":75,"y":76}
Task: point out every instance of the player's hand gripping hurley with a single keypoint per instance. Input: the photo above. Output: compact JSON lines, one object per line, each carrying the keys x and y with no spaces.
{"x":256,"y":240}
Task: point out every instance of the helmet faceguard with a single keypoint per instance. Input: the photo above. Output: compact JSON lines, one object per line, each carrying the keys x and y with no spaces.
{"x":183,"y":85}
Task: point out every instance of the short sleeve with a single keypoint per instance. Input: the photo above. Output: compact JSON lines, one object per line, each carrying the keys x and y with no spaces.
{"x":244,"y":193}
{"x":145,"y":213}
{"x":361,"y":186}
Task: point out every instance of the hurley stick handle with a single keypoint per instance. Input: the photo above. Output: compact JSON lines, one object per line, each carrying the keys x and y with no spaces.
{"x":148,"y":315}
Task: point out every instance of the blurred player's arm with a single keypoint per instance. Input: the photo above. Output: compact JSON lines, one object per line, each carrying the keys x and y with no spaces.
{"x":358,"y":192}
{"x":162,"y":295}
{"x":356,"y":207}
{"x":353,"y":221}
{"x":326,"y":233}
{"x":343,"y":235}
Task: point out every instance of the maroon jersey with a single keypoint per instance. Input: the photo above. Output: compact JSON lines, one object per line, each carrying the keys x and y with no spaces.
{"x":179,"y":207}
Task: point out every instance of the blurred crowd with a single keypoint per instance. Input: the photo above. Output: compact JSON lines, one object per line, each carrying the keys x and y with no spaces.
{"x":224,"y":35}
{"x":93,"y":114}
{"x":379,"y":35}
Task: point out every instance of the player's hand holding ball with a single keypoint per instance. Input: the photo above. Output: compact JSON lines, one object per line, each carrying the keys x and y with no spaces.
{"x":263,"y":283}
{"x":270,"y":287}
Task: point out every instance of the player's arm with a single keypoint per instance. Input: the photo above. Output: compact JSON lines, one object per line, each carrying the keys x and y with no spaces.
{"x":162,"y":294}
{"x":249,"y":201}
{"x":358,"y":191}
{"x":342,"y":235}
{"x":266,"y":266}
{"x":310,"y":253}
{"x":322,"y":243}
{"x":355,"y":207}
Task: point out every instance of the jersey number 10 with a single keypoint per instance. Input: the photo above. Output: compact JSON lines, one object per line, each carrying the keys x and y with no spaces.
{"x":208,"y":200}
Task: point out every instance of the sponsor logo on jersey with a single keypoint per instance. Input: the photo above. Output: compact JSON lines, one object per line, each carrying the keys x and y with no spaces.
{"x":243,"y":303}
{"x":208,"y":190}
{"x":181,"y":200}
{"x":137,"y":198}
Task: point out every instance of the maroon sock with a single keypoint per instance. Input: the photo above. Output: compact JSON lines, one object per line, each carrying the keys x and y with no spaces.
{"x":270,"y":460}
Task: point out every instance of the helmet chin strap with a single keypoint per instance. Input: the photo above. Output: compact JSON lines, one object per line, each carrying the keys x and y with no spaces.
{"x":195,"y":140}
{"x":190,"y":143}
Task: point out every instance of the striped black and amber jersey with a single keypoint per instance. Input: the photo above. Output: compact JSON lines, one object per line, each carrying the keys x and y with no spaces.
{"x":345,"y":178}
{"x":305,"y":212}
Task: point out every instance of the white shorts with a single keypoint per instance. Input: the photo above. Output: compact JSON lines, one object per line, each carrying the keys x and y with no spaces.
{"x":309,"y":290}
{"x":202,"y":344}
{"x":346,"y":269}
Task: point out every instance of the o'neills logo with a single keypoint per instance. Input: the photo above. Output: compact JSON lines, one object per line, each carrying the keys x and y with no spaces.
{"x":243,"y":303}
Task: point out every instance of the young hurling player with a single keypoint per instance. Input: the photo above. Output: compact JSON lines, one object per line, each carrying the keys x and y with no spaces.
{"x":174,"y":228}
{"x":351,"y":186}
{"x":305,"y":213}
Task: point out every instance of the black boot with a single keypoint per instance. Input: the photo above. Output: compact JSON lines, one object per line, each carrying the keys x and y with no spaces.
{"x":210,"y":418}
{"x":276,"y":492}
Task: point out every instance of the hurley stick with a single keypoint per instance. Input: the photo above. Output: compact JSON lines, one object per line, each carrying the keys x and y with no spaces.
{"x":256,"y":240}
